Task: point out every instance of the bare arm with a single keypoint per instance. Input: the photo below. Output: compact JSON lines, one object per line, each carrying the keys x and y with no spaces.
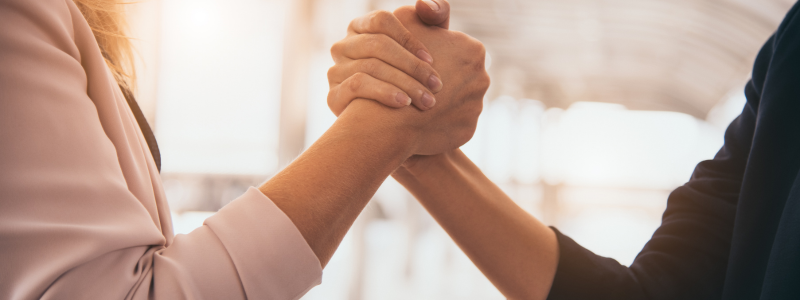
{"x":686,"y":257}
{"x":325,"y":189}
{"x":513,"y":249}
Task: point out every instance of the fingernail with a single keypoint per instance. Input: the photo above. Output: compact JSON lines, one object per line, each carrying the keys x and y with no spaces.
{"x":402,"y":98}
{"x":427,"y":100}
{"x":433,"y":5}
{"x":423,"y":55}
{"x":434,"y":83}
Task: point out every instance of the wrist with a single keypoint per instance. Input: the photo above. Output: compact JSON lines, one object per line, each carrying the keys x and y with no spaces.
{"x":382,"y":126}
{"x":426,"y":168}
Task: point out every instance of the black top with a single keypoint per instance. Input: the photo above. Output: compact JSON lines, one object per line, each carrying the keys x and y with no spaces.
{"x":732,"y":231}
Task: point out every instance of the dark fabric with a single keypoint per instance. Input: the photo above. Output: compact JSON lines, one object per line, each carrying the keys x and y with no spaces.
{"x":146,"y":131}
{"x":733,"y":231}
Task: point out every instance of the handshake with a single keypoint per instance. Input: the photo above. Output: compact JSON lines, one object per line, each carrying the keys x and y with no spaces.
{"x":84,"y":214}
{"x":408,"y":93}
{"x":409,"y":57}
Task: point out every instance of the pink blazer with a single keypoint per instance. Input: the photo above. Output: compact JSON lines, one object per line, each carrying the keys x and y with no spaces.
{"x":82,"y":211}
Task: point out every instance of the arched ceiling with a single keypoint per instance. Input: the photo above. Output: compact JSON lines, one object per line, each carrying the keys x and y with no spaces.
{"x":676,"y":55}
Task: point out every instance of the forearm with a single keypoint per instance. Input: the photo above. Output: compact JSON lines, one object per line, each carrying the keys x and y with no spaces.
{"x":325,"y":189}
{"x":515,"y":251}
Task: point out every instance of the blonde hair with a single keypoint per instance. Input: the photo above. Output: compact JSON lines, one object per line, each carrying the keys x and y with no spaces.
{"x":107,"y":20}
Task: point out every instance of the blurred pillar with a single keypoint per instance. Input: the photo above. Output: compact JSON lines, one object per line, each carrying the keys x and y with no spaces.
{"x":370,"y":213}
{"x":297,"y":53}
{"x":550,"y":197}
{"x":144,"y":20}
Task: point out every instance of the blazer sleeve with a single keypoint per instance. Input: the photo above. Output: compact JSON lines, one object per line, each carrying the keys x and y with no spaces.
{"x":686,"y":257}
{"x":79,"y":211}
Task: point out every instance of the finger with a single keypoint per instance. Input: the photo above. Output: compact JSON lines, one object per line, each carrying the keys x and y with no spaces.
{"x":361,"y":85}
{"x":434,"y":12}
{"x":421,"y":97}
{"x":384,"y":22}
{"x":379,"y":46}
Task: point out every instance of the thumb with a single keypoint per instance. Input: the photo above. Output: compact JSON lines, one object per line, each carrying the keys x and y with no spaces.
{"x":434,"y":12}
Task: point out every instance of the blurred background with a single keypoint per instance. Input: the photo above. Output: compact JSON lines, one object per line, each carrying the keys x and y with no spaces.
{"x":597,"y":110}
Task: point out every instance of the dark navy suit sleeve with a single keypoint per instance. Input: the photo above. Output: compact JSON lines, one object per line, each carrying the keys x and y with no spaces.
{"x":687,"y":256}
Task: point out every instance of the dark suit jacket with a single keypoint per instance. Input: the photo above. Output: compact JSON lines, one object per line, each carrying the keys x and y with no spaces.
{"x":732,"y":231}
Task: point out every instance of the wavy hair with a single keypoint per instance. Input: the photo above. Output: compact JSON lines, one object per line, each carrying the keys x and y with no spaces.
{"x":106,"y":18}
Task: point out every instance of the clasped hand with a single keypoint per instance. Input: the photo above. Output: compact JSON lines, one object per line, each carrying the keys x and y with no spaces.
{"x":396,"y":59}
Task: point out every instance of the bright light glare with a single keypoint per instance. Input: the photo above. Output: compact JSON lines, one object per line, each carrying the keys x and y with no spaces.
{"x":219,"y":86}
{"x":595,"y":144}
{"x":186,"y":222}
{"x":590,"y":144}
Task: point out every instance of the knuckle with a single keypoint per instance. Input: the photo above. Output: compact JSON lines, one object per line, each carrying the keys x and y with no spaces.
{"x":332,"y":98}
{"x":355,"y":82}
{"x":463,"y":136}
{"x":336,"y":49}
{"x":479,"y":61}
{"x":330,"y":74}
{"x":372,"y":42}
{"x":354,"y":22}
{"x":486,"y":80}
{"x":473,"y":45}
{"x":351,"y":27}
{"x":419,"y":70}
{"x":480,"y":49}
{"x":383,"y":43}
{"x":478,"y":109}
{"x":369,"y":66}
{"x":478,"y":65}
{"x":379,"y":19}
{"x":406,"y":40}
{"x":459,"y":36}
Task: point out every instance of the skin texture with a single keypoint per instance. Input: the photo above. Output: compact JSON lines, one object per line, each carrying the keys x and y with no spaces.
{"x":515,"y":251}
{"x":361,"y":72}
{"x":325,"y":189}
{"x":462,"y":72}
{"x":358,"y":74}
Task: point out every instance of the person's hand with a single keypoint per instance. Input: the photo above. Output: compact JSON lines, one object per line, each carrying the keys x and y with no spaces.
{"x":434,"y":12}
{"x":459,"y":60}
{"x":380,"y":60}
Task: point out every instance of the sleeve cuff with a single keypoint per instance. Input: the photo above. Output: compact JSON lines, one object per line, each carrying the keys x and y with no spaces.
{"x":581,"y":274}
{"x":272,"y":258}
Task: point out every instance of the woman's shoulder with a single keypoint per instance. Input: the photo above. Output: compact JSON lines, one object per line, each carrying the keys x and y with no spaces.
{"x":27,"y":27}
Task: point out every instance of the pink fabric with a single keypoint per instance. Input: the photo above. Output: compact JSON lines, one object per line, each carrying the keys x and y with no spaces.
{"x":82,"y":211}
